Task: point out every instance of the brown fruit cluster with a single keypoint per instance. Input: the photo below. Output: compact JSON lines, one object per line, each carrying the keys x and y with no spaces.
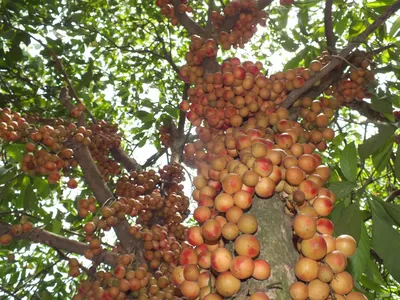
{"x":245,"y":27}
{"x":168,"y":9}
{"x":165,"y":136}
{"x":239,"y":91}
{"x":48,"y":150}
{"x":353,"y":86}
{"x":105,"y":138}
{"x":248,"y":146}
{"x":141,"y":284}
{"x":159,"y":206}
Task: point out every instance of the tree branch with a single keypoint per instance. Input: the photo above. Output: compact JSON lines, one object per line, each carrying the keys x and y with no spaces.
{"x":96,"y":183}
{"x":129,"y":163}
{"x":211,"y":5}
{"x":152,"y":159}
{"x":178,"y":136}
{"x":329,"y":34}
{"x":380,"y":50}
{"x":295,"y":94}
{"x":59,"y":242}
{"x":188,"y":23}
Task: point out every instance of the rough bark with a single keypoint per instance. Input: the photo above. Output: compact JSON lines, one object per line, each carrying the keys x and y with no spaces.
{"x":275,"y":235}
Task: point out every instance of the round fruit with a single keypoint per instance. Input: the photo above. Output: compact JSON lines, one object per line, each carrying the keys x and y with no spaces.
{"x":346,"y":244}
{"x":298,"y":291}
{"x":227,"y":285}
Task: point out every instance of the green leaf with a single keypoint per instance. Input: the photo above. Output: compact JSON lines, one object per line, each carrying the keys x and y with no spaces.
{"x":8,"y":175}
{"x":349,"y":221}
{"x":386,"y":242}
{"x":342,"y":188}
{"x":42,"y":186}
{"x":382,"y":104}
{"x":358,"y":262}
{"x":30,"y":200}
{"x":393,"y":210}
{"x":395,"y":27}
{"x":56,"y":228}
{"x":397,"y":164}
{"x":372,"y":144}
{"x":381,"y":157}
{"x":348,"y":162}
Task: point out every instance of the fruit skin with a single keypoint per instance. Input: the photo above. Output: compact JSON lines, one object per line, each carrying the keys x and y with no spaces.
{"x":227,"y":285}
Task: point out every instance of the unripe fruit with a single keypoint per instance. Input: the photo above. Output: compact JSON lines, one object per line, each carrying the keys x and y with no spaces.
{"x":346,"y":244}
{"x":318,"y":290}
{"x":248,"y":223}
{"x":298,"y":291}
{"x":342,"y":283}
{"x":227,"y":285}
{"x":306,"y":269}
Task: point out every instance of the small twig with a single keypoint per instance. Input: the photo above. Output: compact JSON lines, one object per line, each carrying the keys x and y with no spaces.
{"x":152,"y":159}
{"x":380,"y":50}
{"x":393,"y":195}
{"x":9,"y":293}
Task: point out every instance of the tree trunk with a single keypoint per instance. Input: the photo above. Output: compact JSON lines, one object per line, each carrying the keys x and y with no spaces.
{"x":275,"y":236}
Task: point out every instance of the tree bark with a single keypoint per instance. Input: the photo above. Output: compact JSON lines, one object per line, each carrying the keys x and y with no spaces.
{"x":275,"y":236}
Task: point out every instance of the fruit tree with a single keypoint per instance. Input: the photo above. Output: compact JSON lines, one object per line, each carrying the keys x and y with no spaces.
{"x":274,"y":128}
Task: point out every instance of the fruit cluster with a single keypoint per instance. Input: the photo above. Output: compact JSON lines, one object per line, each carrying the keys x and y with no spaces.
{"x":165,"y":136}
{"x":157,"y":203}
{"x":248,"y":146}
{"x":239,"y":91}
{"x":249,"y":16}
{"x":199,"y":50}
{"x":16,"y":230}
{"x":48,"y":147}
{"x":168,"y":9}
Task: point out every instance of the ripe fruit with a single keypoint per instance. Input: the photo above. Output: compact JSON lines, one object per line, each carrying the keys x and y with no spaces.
{"x":262,"y":269}
{"x":305,"y":226}
{"x":221,"y":260}
{"x":247,"y":245}
{"x":242,"y":267}
{"x":314,"y":248}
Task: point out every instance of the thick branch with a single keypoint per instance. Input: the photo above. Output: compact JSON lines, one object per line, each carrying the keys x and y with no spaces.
{"x":295,"y":94}
{"x":96,"y":183}
{"x":62,"y":243}
{"x":178,"y":136}
{"x":329,"y":34}
{"x":211,"y":5}
{"x":188,"y":23}
{"x":130,"y":164}
{"x":103,"y":194}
